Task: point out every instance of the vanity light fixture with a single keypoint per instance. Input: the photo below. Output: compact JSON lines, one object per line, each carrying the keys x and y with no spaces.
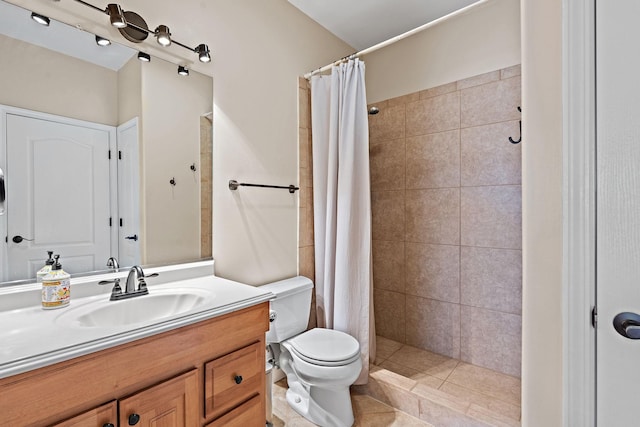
{"x":183,"y":71}
{"x":40,"y":19}
{"x":163,"y":35}
{"x":203,"y":53}
{"x":134,"y":28}
{"x":144,"y":57}
{"x":116,"y":17}
{"x":101,"y":41}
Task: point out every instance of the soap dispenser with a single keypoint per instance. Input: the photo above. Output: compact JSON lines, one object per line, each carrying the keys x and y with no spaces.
{"x":46,"y":269}
{"x":56,"y":287}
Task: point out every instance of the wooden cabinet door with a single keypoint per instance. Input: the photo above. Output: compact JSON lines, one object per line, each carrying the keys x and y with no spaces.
{"x":248,"y":414}
{"x":233,"y":379}
{"x":173,"y":403}
{"x":103,"y":416}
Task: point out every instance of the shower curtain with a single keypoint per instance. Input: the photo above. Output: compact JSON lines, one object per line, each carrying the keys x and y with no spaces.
{"x":342,"y":205}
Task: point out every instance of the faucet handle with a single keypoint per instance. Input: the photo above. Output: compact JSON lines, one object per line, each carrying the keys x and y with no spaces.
{"x":142,"y":285}
{"x":117,"y":290}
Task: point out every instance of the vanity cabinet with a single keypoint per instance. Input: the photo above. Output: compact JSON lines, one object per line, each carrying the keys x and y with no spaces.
{"x":103,"y":416}
{"x":209,"y":373}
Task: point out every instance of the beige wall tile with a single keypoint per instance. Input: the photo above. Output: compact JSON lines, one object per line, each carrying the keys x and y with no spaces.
{"x":304,"y":108}
{"x":307,"y":262}
{"x":433,"y":216}
{"x":436,"y":114}
{"x":404,"y":99}
{"x":491,"y":278}
{"x":388,"y":265}
{"x":488,"y":158}
{"x":387,"y":165}
{"x":438,"y":90}
{"x":306,"y":177}
{"x":306,"y":227}
{"x":304,"y":196}
{"x":389,"y":309}
{"x":433,"y":161}
{"x":388,"y":216}
{"x":388,"y":124}
{"x":435,"y":326}
{"x":433,"y":271}
{"x":507,"y":73}
{"x":304,"y":140}
{"x":491,"y":339}
{"x":490,"y":103}
{"x":478,"y":80}
{"x":491,"y":217}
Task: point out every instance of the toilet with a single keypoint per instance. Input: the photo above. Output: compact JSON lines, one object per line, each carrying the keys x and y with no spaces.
{"x":320,"y":364}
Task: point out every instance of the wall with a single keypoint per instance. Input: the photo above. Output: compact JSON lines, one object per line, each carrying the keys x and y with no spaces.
{"x":484,"y":39}
{"x":447,"y":219}
{"x":256,"y":63}
{"x":43,"y":80}
{"x":542,"y":96}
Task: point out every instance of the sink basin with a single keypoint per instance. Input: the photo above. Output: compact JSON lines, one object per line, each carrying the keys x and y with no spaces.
{"x":157,"y":305}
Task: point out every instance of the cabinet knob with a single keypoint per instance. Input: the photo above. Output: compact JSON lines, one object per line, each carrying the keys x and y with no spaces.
{"x":133,"y":419}
{"x":238,"y":379}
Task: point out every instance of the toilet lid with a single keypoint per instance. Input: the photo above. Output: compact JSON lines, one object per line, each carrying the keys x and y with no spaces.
{"x":325,"y":347}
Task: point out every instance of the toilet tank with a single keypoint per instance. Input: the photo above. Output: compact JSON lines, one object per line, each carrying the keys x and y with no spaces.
{"x":291,"y":307}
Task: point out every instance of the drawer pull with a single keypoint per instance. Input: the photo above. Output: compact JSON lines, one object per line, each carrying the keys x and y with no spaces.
{"x":108,"y":425}
{"x":238,"y":379}
{"x":133,"y":419}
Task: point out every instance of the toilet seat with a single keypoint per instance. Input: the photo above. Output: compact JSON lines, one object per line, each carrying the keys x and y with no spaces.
{"x":325,"y":347}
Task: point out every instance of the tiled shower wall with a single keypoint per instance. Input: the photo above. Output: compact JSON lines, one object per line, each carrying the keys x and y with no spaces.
{"x":306,"y":259}
{"x":446,"y":200}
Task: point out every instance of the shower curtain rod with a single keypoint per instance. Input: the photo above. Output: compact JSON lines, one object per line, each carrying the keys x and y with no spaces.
{"x":395,"y":39}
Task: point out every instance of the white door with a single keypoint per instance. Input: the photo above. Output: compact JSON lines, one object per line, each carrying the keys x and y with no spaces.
{"x":128,"y":194}
{"x":618,"y":211}
{"x":57,"y":179}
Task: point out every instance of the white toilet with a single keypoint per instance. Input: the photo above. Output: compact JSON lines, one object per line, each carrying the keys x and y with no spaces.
{"x":320,"y":364}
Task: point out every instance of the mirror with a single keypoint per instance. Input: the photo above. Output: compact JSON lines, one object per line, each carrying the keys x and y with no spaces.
{"x":156,"y":202}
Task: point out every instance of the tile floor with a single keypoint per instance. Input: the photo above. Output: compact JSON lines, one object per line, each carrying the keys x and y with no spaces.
{"x":422,"y":388}
{"x":368,"y":412}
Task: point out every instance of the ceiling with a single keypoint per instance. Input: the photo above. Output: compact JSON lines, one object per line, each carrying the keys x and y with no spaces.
{"x":364,"y":23}
{"x":16,"y":22}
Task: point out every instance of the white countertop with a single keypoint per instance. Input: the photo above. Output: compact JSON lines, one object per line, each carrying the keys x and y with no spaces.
{"x":31,"y":337}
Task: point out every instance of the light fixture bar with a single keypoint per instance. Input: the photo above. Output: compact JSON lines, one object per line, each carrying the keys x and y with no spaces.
{"x":201,"y":50}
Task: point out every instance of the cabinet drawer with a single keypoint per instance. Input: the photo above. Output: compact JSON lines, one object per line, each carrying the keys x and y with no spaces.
{"x":98,"y":417}
{"x":234,"y":378}
{"x":248,"y":414}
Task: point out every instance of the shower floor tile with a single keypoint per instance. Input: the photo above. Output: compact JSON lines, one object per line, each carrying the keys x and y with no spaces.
{"x":487,"y":395}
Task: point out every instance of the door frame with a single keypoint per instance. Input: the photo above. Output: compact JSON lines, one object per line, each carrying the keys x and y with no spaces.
{"x":6,"y":110}
{"x":579,"y":212}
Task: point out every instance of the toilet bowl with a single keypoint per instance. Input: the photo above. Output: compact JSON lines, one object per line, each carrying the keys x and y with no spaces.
{"x":320,"y":364}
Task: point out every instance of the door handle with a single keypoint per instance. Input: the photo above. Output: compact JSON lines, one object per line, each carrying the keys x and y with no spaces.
{"x":134,"y":237}
{"x":628,"y":325}
{"x":3,"y":195}
{"x":18,"y":239}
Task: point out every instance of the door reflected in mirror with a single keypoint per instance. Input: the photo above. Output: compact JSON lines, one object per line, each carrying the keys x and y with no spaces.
{"x":86,"y":196}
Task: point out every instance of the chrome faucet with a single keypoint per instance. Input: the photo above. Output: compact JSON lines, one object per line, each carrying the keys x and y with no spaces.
{"x":135,"y":275}
{"x":112,"y":263}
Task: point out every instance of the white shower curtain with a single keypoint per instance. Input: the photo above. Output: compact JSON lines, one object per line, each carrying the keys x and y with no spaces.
{"x":342,"y":205}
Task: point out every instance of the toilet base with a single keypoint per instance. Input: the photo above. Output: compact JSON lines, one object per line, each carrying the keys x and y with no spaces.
{"x":311,"y":404}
